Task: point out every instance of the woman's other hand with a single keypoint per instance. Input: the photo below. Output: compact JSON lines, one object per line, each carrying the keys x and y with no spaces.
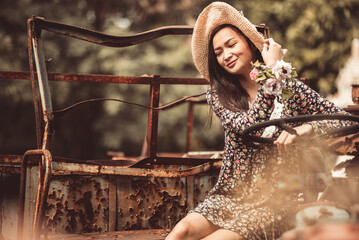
{"x":285,"y":139}
{"x":272,"y":52}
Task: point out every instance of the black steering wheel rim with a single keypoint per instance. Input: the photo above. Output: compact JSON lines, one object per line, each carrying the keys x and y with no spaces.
{"x":249,"y":139}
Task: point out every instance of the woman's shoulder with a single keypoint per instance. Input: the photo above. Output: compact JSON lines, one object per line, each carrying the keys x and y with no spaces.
{"x":211,"y":95}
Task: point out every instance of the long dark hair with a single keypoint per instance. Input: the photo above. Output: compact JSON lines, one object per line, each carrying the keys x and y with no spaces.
{"x":230,"y":91}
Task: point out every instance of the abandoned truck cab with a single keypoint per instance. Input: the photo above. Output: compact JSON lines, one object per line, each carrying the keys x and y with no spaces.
{"x":46,"y":194}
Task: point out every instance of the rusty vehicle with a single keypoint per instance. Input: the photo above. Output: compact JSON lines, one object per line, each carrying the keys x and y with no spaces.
{"x":52,"y":197}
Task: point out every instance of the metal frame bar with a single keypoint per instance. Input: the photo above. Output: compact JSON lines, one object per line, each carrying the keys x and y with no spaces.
{"x":98,"y":78}
{"x":45,"y":165}
{"x":152,"y":133}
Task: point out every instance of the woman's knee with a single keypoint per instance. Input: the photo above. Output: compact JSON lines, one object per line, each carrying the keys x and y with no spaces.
{"x":193,"y":226}
{"x":182,"y":230}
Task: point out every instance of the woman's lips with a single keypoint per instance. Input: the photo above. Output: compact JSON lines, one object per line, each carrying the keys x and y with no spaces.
{"x":231,"y":64}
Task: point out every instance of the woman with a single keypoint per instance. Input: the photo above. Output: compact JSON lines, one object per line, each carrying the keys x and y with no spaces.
{"x":241,"y":205}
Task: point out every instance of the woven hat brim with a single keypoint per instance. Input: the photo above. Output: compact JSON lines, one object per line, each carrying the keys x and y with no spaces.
{"x":213,"y":16}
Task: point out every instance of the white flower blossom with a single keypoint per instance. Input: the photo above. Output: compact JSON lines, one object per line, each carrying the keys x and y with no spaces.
{"x":282,"y":70}
{"x":273,"y":87}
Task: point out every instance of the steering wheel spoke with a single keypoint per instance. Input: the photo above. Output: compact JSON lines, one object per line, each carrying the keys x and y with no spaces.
{"x":287,"y":128}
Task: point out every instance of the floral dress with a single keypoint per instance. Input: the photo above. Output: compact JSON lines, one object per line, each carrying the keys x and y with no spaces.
{"x":245,"y":198}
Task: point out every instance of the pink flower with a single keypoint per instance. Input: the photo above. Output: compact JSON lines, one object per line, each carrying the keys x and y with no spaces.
{"x":273,"y":87}
{"x":253,"y":74}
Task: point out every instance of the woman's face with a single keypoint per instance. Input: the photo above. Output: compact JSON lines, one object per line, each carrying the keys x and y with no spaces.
{"x":232,"y":51}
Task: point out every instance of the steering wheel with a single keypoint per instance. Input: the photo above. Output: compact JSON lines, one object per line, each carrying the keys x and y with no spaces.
{"x":249,"y":139}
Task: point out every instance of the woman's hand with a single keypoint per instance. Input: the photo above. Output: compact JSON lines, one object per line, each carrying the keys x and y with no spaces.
{"x":272,"y":52}
{"x":285,"y":139}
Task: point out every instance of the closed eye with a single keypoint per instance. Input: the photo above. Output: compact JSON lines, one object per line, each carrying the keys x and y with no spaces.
{"x":232,"y":45}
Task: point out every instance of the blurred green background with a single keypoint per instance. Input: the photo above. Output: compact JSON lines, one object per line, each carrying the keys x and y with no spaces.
{"x":318,"y":35}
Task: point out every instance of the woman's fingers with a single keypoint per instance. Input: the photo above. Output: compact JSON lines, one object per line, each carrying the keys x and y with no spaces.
{"x":272,"y":52}
{"x":265,"y":47}
{"x":273,"y":43}
{"x":284,"y":141}
{"x":280,"y":141}
{"x":289,"y":141}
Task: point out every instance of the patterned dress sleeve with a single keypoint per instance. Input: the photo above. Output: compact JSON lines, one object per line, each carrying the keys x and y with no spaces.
{"x":306,"y":101}
{"x":259,"y":111}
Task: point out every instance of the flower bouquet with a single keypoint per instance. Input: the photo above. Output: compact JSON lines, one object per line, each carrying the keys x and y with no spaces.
{"x":274,"y":79}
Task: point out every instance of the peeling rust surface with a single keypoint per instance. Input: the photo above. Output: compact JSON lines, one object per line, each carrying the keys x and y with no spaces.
{"x":151,"y":202}
{"x":80,"y":204}
{"x":202,"y":185}
{"x":77,"y":204}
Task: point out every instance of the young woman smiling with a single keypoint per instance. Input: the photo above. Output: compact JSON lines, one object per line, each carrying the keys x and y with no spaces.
{"x":242,"y":204}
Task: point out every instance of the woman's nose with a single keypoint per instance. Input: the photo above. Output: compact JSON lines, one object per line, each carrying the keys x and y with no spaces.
{"x":227,"y":55}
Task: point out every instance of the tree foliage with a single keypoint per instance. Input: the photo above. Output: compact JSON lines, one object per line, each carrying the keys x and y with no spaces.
{"x":317,"y":34}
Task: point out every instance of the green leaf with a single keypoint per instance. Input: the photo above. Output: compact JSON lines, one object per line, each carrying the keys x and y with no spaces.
{"x":257,"y":64}
{"x":286,"y":93}
{"x":294,"y":74}
{"x":269,"y":74}
{"x":261,"y":77}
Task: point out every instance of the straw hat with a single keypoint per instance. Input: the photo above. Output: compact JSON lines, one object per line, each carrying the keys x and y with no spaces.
{"x":214,"y":15}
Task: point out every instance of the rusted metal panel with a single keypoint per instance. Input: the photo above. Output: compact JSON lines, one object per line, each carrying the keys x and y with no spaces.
{"x":201,"y":185}
{"x":78,"y":204}
{"x":147,"y":203}
{"x":63,"y":168}
{"x":150,"y":203}
{"x":109,"y":202}
{"x":112,"y":203}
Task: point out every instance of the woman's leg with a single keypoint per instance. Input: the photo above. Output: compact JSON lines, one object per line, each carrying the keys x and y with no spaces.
{"x":223,"y":234}
{"x":192,"y":227}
